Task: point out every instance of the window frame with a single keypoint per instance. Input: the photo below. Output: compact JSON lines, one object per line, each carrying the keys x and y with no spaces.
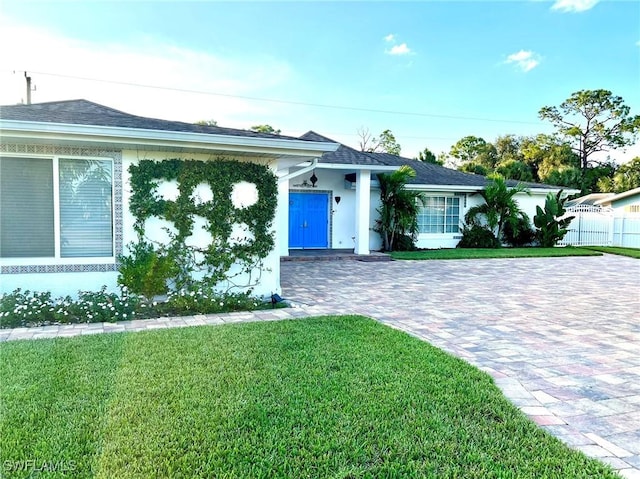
{"x":447,"y":198}
{"x":57,"y":259}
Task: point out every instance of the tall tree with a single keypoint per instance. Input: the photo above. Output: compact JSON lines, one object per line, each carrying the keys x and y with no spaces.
{"x":385,"y":143}
{"x":398,"y":207}
{"x":592,"y":121}
{"x":265,"y":129}
{"x":427,"y":156}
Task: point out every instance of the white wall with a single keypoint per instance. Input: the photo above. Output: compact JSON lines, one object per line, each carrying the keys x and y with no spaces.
{"x":269,"y":276}
{"x":60,"y":284}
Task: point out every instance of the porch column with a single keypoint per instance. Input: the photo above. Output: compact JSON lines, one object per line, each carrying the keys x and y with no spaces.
{"x":363,"y":204}
{"x":282,"y":217}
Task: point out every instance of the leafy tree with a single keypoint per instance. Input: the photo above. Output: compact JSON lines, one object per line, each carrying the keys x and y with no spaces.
{"x":550,"y":229}
{"x":475,"y":168}
{"x":514,"y":170}
{"x":207,"y":123}
{"x":592,"y":121}
{"x":265,"y":129}
{"x":550,"y":159}
{"x":473,"y":149}
{"x":399,"y":207}
{"x":499,"y":207}
{"x":626,"y":177}
{"x":427,"y":156}
{"x":385,"y":143}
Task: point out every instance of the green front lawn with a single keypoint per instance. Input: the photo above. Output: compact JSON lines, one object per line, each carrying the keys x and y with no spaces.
{"x":323,"y":397}
{"x":478,"y":253}
{"x":631,"y":252}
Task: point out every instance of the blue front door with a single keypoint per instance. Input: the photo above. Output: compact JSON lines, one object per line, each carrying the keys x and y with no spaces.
{"x":308,"y":220}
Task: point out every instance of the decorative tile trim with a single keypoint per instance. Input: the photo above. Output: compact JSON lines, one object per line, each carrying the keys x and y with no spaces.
{"x":59,"y":268}
{"x":76,"y":151}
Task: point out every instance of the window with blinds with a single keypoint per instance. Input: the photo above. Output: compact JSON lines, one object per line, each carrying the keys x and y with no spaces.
{"x":31,"y":228}
{"x":439,"y":214}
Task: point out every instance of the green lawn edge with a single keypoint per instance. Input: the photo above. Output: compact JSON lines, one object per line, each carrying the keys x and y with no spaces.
{"x":618,"y":250}
{"x":482,"y":253}
{"x":341,"y":396}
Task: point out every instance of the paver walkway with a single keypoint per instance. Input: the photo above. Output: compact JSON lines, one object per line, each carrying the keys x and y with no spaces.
{"x":561,"y":336}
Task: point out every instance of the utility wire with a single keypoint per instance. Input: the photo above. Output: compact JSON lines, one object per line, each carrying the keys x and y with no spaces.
{"x":286,"y":102}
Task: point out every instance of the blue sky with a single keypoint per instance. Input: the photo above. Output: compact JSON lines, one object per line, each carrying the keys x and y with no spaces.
{"x":431,"y":72}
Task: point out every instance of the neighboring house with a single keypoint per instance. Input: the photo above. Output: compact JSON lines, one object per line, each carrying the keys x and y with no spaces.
{"x":605,"y":219}
{"x":337,"y":176}
{"x":46,"y":243}
{"x":327,"y":192}
{"x":627,"y":202}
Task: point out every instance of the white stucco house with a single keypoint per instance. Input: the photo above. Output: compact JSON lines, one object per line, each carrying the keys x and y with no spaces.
{"x":327,"y":196}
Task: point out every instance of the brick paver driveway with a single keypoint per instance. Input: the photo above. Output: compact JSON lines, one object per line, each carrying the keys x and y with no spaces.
{"x":561,"y":336}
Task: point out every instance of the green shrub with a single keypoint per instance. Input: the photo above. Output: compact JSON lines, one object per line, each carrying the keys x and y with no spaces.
{"x":146,"y":271}
{"x":30,"y":308}
{"x":477,"y":236}
{"x":519,"y":234}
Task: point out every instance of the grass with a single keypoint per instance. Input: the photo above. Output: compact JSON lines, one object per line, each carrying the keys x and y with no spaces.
{"x":478,"y":253}
{"x":342,"y":397}
{"x":631,"y":252}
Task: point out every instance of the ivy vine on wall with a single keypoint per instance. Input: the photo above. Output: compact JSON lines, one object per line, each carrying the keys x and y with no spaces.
{"x":216,"y":214}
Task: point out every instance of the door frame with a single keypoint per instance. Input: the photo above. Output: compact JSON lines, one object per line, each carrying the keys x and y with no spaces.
{"x":329,"y":194}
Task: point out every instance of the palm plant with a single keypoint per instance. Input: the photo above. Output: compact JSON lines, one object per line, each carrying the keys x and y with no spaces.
{"x":499,"y":207}
{"x":399,"y":207}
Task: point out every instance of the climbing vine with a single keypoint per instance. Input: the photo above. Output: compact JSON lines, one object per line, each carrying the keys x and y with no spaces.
{"x":217,"y":215}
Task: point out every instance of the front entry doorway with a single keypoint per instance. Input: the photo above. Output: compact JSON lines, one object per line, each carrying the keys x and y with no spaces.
{"x":308,"y":220}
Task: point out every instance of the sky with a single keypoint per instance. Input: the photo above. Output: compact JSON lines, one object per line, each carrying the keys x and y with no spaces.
{"x":432,"y":72}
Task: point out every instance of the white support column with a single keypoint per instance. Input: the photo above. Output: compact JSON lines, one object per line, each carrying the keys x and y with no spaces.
{"x":282,"y":217}
{"x":363,"y":204}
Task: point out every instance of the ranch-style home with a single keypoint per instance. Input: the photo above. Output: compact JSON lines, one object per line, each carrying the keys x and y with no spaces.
{"x":65,"y":192}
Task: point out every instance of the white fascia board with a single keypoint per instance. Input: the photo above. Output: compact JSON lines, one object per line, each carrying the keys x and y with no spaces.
{"x":127,"y":137}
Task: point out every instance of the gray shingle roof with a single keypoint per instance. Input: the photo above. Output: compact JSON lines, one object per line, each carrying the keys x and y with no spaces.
{"x":426,"y":173}
{"x":84,"y":112}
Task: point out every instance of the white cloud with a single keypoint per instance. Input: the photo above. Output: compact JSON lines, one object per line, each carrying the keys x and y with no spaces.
{"x":574,"y":5}
{"x":401,"y":49}
{"x":389,"y":38}
{"x":525,"y":60}
{"x":145,"y":61}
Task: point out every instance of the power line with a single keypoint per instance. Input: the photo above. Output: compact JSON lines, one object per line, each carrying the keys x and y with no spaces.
{"x":280,"y":101}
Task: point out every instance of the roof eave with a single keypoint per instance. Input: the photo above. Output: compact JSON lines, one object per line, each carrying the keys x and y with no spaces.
{"x":138,"y":137}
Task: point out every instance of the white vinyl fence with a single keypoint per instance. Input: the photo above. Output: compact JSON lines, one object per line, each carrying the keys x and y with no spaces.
{"x":595,"y":226}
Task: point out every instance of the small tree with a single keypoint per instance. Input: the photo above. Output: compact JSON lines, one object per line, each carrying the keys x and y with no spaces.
{"x":499,"y":207}
{"x":399,"y":207}
{"x":550,"y":229}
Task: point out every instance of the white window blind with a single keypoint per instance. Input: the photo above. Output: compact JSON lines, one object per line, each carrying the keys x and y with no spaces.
{"x":29,"y":225}
{"x":26,"y":208}
{"x":85,"y":208}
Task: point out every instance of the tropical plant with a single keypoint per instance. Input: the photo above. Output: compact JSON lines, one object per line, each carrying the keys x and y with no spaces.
{"x":476,"y":236}
{"x":522,"y":235}
{"x":551,"y":229}
{"x":399,"y":207}
{"x":499,"y":208}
